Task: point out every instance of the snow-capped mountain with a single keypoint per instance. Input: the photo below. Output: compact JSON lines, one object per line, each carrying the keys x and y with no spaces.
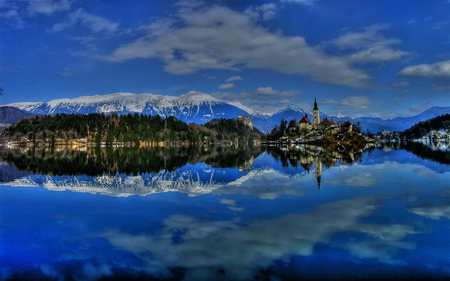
{"x":200,"y":108}
{"x":191,"y":107}
{"x":397,"y":124}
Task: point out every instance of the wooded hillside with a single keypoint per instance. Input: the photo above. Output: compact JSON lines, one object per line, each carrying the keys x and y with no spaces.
{"x":421,"y":129}
{"x":133,"y":128}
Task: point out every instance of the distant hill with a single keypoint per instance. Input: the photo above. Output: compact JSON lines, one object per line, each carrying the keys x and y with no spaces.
{"x":398,"y":124}
{"x":195,"y":107}
{"x":423,"y":128}
{"x":10,"y":115}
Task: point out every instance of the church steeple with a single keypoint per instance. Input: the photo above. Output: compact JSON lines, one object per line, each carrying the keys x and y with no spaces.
{"x":316,"y":115}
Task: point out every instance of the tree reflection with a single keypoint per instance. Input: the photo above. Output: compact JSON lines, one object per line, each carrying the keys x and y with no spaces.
{"x":302,"y":155}
{"x":131,"y":161}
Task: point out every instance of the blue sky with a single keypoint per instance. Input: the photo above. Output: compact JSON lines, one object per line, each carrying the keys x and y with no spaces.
{"x":358,"y":58}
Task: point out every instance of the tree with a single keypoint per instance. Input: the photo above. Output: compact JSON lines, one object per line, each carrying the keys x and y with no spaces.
{"x":293,"y":124}
{"x":357,"y":127}
{"x":283,"y":126}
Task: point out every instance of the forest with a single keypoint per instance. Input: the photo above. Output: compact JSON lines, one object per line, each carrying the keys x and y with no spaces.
{"x":130,"y":128}
{"x":422,"y":128}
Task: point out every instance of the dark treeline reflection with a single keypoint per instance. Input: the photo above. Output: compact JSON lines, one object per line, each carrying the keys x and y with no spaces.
{"x":131,"y":161}
{"x":436,"y":151}
{"x":428,"y":153}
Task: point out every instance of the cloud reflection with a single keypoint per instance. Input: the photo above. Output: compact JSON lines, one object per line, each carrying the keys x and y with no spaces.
{"x":431,"y":210}
{"x":240,"y":248}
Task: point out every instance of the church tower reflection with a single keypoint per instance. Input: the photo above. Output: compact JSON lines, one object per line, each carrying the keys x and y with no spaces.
{"x":318,"y":170}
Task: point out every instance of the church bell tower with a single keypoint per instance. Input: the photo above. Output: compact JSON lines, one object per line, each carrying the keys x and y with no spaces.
{"x":316,"y":115}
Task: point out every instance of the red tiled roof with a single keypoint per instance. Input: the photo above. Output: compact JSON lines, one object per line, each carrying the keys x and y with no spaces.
{"x":306,"y":166}
{"x":327,"y":122}
{"x":305,"y":120}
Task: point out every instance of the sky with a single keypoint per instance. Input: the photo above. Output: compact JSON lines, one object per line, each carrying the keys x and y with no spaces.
{"x":357,"y":58}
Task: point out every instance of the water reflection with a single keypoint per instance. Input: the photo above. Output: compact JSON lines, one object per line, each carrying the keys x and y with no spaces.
{"x":99,"y":161}
{"x":191,"y":170}
{"x":204,"y":247}
{"x":381,"y":213}
{"x":434,"y":150}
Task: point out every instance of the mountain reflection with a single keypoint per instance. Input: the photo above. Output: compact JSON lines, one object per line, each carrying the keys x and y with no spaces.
{"x":190,"y":170}
{"x":130,"y":161}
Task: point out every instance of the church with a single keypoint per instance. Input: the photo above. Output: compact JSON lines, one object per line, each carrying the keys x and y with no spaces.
{"x":305,"y":124}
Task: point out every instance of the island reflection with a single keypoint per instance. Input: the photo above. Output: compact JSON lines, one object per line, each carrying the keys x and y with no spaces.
{"x":191,"y":170}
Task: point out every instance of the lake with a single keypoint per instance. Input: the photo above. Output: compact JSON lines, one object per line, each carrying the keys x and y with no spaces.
{"x":225,"y":213}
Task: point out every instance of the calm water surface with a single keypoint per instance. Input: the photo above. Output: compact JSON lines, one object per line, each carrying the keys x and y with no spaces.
{"x":224,"y":214}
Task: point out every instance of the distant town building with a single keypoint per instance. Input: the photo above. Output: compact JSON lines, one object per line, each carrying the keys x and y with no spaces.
{"x":328,"y":126}
{"x":346,"y":127}
{"x":246,"y":120}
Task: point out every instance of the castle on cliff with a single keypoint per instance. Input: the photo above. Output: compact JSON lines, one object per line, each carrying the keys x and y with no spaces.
{"x":246,"y":120}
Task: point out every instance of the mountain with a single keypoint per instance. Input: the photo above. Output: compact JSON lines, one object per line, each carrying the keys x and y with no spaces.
{"x":10,"y":115}
{"x":398,"y":124}
{"x":200,"y":108}
{"x":192,"y":107}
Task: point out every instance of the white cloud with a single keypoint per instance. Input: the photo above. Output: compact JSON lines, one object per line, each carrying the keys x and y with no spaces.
{"x":219,"y":38}
{"x":358,"y":102}
{"x":9,"y":14}
{"x":93,"y":22}
{"x":234,"y":78}
{"x":354,"y":106}
{"x":65,"y":73}
{"x":436,"y":70}
{"x":303,"y":2}
{"x":48,"y":7}
{"x":264,"y":12}
{"x":378,"y":54}
{"x":402,"y":84}
{"x":421,"y":107}
{"x":370,"y":37}
{"x":226,"y":86}
{"x":12,"y":18}
{"x":370,"y":45}
{"x":88,"y":41}
{"x":265,"y":99}
{"x":442,"y":87}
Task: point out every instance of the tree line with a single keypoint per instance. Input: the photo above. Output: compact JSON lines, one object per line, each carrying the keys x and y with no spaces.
{"x":132,"y":128}
{"x":422,"y":128}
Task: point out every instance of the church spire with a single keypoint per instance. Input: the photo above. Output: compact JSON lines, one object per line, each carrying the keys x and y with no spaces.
{"x":316,"y":115}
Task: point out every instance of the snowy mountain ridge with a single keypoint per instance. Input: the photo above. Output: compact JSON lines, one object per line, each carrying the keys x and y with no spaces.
{"x":198,"y":107}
